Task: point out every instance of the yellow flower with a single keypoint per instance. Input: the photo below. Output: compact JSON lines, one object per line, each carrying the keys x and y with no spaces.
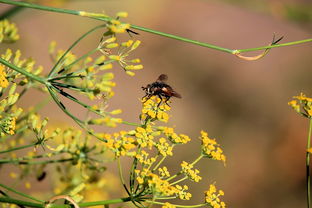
{"x":304,"y":103}
{"x":3,"y":80}
{"x":8,"y":32}
{"x":191,"y":173}
{"x":168,"y":205}
{"x":8,"y":125}
{"x":212,"y":197}
{"x":211,"y":148}
{"x":163,"y":172}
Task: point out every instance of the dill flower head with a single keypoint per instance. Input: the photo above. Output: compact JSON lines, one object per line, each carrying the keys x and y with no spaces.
{"x":152,"y":110}
{"x":191,"y":173}
{"x":3,"y":79}
{"x":302,"y":104}
{"x":212,"y":197}
{"x":8,"y":32}
{"x":211,"y":148}
{"x":8,"y":125}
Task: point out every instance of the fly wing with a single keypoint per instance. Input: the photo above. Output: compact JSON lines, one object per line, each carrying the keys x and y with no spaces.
{"x":162,"y":78}
{"x":175,"y":94}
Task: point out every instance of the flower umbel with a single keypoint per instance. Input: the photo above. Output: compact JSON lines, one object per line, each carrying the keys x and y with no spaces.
{"x":302,"y":104}
{"x":212,"y":197}
{"x":211,"y":148}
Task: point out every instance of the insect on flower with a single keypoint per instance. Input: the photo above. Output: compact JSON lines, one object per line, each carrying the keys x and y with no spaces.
{"x":161,"y":89}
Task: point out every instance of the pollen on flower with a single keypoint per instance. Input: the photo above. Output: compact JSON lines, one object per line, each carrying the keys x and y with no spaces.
{"x":163,"y":172}
{"x":168,"y":205}
{"x":3,"y":77}
{"x":302,"y":105}
{"x":212,"y":197}
{"x":8,"y":31}
{"x":183,"y":194}
{"x":191,"y":173}
{"x":211,"y":148}
{"x":8,"y":125}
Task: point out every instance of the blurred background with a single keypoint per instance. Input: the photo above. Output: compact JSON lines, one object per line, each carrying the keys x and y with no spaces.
{"x":242,"y":104}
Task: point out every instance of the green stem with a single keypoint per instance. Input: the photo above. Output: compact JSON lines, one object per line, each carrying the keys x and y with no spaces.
{"x":10,"y":12}
{"x":120,"y":173}
{"x":70,"y":48}
{"x":176,"y":205}
{"x":159,"y":163}
{"x":43,"y":204}
{"x":17,"y":148}
{"x":274,"y":46}
{"x":99,"y":17}
{"x":197,"y":160}
{"x":24,"y":162}
{"x":85,"y":55}
{"x":178,"y":181}
{"x":22,"y":71}
{"x":23,"y":203}
{"x":19,"y":193}
{"x":195,"y":42}
{"x":308,"y":180}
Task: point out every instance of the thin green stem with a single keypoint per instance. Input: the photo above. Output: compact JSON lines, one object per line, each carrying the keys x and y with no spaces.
{"x":195,"y":42}
{"x":83,"y":56}
{"x":10,"y":12}
{"x":100,"y":17}
{"x":120,"y":173}
{"x":176,"y":205}
{"x":17,"y":148}
{"x":274,"y":45}
{"x":178,"y":181}
{"x":197,"y":160}
{"x":308,"y":179}
{"x":24,"y":162}
{"x":43,"y":204}
{"x":106,"y":202}
{"x":23,"y":203}
{"x":159,"y":163}
{"x":22,"y":71}
{"x":57,"y":64}
{"x":19,"y":193}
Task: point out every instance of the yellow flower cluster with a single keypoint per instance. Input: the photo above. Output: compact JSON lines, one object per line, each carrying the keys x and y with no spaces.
{"x":163,"y":172}
{"x":302,"y":102}
{"x":121,"y":144}
{"x":27,"y":64}
{"x":212,"y":197}
{"x":168,"y":205}
{"x":3,"y":80}
{"x":8,"y":32}
{"x":9,"y":112}
{"x":163,"y":147}
{"x":152,"y":111}
{"x":182,"y":192}
{"x":8,"y":125}
{"x":187,"y":169}
{"x":115,"y":26}
{"x":144,"y":159}
{"x":211,"y":148}
{"x":144,"y":136}
{"x":174,"y":137}
{"x":159,"y":186}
